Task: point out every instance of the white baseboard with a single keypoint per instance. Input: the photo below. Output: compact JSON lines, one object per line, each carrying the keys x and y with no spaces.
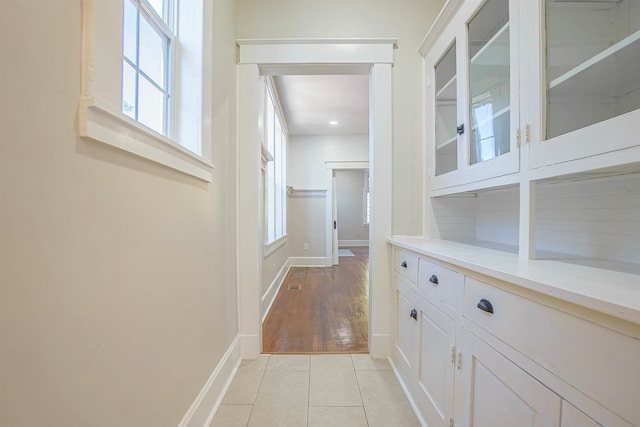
{"x":270,"y":295}
{"x":353,"y":243}
{"x":407,"y":393}
{"x":380,"y":346}
{"x":204,"y":408}
{"x":310,"y":261}
{"x":250,"y":346}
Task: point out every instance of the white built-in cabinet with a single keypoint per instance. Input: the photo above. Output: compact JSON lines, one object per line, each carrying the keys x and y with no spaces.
{"x":520,"y":304}
{"x":476,"y":350}
{"x":531,"y":110}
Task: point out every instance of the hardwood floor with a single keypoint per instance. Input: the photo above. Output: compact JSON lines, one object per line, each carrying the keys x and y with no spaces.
{"x":328,"y":314}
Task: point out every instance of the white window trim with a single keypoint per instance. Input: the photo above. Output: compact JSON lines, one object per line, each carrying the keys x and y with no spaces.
{"x":273,"y":246}
{"x":100,"y":118}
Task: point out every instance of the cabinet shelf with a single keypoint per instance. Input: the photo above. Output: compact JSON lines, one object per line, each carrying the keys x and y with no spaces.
{"x":611,"y":73}
{"x":496,"y":47}
{"x":447,"y":142}
{"x":448,"y":90}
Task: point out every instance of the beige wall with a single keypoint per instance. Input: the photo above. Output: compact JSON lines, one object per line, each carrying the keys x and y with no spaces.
{"x":306,"y":224}
{"x":118,"y":294}
{"x":407,"y":20}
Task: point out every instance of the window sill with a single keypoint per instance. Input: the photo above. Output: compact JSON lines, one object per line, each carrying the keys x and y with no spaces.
{"x":271,"y":247}
{"x":99,"y":122}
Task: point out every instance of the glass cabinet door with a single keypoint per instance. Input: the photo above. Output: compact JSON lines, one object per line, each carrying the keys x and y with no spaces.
{"x":446,"y":113}
{"x":592,"y":62}
{"x":489,"y":82}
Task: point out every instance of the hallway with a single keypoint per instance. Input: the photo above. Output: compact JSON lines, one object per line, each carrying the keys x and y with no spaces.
{"x":327,"y":314}
{"x":317,"y":390}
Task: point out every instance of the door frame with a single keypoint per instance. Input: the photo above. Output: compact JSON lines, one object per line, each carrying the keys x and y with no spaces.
{"x":332,"y":208}
{"x":372,"y":57}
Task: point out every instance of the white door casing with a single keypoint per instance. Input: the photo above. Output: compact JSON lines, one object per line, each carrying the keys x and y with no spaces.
{"x":373,"y":57}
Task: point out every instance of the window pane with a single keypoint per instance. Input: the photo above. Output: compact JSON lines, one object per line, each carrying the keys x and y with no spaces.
{"x":128,"y":90}
{"x":158,"y":5}
{"x":129,"y":31}
{"x":270,"y":125}
{"x":283,"y":158}
{"x":152,"y":52}
{"x":150,"y":106}
{"x":271,"y":205}
{"x":278,"y":178}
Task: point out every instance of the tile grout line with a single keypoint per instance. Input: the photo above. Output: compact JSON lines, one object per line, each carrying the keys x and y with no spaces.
{"x":253,"y":405}
{"x":364,"y":410}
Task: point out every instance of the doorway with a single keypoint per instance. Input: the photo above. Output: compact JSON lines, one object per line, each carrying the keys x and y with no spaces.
{"x":370,"y":57}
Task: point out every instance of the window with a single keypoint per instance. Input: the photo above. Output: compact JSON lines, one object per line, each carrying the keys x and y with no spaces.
{"x":147,"y":44}
{"x":146,"y":80}
{"x":276,"y":196}
{"x":366,"y":200}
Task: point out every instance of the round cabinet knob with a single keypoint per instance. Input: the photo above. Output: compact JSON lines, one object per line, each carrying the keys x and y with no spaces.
{"x":414,"y":314}
{"x":403,"y":264}
{"x":485,"y":305}
{"x":434,"y":279}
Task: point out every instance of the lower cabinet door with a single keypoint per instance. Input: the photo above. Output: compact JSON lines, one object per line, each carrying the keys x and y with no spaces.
{"x":436,"y":367}
{"x":502,"y":394}
{"x":407,"y":332}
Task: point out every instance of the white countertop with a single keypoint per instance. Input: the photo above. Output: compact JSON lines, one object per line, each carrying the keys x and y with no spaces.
{"x":608,"y":291}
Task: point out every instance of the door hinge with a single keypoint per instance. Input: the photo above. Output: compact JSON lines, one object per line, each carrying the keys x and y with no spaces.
{"x":460,"y":360}
{"x":518,"y":137}
{"x":527,"y":133}
{"x":453,"y":354}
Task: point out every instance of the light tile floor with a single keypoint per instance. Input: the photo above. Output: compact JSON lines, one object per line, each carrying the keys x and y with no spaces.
{"x":311,"y":391}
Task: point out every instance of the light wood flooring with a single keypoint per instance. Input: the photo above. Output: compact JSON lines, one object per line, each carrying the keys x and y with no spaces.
{"x":328,"y":314}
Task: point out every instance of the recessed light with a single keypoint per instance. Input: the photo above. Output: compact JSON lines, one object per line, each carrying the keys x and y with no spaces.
{"x":333,"y":122}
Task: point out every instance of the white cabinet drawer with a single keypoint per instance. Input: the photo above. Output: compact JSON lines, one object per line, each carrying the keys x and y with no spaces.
{"x":440,"y":285}
{"x":406,"y":264}
{"x":598,"y":361}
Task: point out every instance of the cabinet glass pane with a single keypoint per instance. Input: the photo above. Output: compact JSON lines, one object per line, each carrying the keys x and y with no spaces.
{"x":593,"y":62}
{"x":489,"y":81}
{"x":446,"y":113}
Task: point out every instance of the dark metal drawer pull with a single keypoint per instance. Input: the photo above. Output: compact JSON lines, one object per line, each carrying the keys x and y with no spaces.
{"x":414,"y":314}
{"x":485,"y":306}
{"x":434,"y":279}
{"x":403,"y":264}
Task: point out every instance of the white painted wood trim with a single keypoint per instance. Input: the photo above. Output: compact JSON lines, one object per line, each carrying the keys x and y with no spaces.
{"x":349,"y":165}
{"x":270,"y":295}
{"x":295,"y":192}
{"x":310,"y":261}
{"x":317,"y":51}
{"x":98,"y":122}
{"x":206,"y":404}
{"x":353,"y":242}
{"x":442,"y":20}
{"x":271,"y":247}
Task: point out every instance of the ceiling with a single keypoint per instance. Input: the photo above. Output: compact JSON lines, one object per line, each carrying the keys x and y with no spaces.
{"x":311,"y":102}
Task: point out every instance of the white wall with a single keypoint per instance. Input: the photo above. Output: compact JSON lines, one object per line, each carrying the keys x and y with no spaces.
{"x":117,"y":275}
{"x":349,"y":197}
{"x":307,"y":170}
{"x":406,"y":20}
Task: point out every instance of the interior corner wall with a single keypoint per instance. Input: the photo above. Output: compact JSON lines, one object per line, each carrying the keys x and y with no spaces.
{"x":406,"y":20}
{"x":117,"y":275}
